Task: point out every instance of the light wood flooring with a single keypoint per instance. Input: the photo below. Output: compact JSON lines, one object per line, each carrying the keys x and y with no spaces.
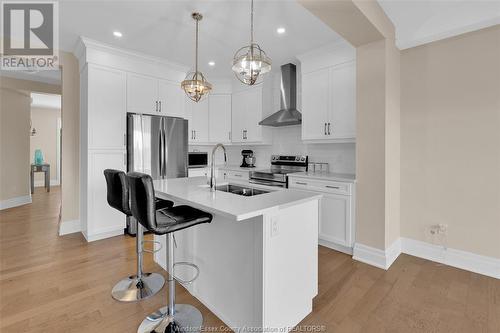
{"x":62,"y":284}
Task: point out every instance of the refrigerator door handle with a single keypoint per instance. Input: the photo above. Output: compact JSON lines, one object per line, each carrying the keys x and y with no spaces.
{"x":165,"y":149}
{"x":160,"y":145}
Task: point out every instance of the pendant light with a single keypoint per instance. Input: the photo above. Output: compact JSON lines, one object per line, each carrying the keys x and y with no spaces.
{"x":195,"y":85}
{"x":251,"y":62}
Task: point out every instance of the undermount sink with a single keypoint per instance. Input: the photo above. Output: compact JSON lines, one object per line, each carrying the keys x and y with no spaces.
{"x":240,"y":190}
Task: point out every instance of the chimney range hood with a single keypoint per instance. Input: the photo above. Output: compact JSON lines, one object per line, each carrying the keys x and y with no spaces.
{"x":288,"y":115}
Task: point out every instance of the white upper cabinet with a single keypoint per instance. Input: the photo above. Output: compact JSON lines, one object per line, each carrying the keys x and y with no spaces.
{"x":170,"y":99}
{"x":142,"y":94}
{"x":254,"y":114}
{"x":149,"y":95}
{"x":219,"y":108}
{"x":247,"y":111}
{"x":329,"y":94}
{"x":342,"y":116}
{"x":239,"y":110}
{"x":315,"y":104}
{"x":197,"y":116}
{"x":105,"y":101}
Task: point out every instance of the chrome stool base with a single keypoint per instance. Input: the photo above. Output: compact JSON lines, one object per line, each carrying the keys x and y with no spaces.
{"x":132,"y":289}
{"x":187,"y":318}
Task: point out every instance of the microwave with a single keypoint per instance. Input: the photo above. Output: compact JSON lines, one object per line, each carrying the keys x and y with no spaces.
{"x":197,"y":159}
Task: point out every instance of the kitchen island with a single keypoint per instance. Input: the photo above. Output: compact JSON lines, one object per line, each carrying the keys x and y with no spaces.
{"x":258,"y":258}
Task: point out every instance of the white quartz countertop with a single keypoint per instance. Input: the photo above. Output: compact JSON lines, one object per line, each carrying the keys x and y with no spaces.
{"x":194,"y":191}
{"x":340,"y":177}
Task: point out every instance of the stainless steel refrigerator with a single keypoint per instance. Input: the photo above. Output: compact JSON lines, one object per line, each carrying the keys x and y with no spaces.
{"x":158,"y":146}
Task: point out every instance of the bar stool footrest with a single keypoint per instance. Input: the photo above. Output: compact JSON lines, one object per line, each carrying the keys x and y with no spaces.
{"x":185,"y":263}
{"x":154,"y":250}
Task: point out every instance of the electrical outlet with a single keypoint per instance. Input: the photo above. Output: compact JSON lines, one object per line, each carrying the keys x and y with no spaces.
{"x":275,"y":226}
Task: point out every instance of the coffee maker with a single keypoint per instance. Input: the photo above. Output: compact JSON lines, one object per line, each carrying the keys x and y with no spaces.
{"x":248,"y":159}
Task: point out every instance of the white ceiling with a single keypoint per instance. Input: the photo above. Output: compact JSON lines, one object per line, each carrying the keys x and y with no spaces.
{"x":47,"y":101}
{"x":166,"y":29}
{"x":422,"y":21}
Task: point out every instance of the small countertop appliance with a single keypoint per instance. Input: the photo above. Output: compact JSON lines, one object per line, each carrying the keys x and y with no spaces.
{"x":248,"y":159}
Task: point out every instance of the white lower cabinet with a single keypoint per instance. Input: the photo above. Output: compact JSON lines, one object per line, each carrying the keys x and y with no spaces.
{"x":336,"y":222}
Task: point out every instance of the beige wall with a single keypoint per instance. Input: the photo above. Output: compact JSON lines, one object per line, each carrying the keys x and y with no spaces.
{"x":450,"y":140}
{"x":44,"y":120}
{"x":14,"y":143}
{"x":370,"y":145}
{"x":70,"y":170}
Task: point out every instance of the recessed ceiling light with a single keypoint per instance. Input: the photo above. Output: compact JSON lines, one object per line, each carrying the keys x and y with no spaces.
{"x":211,"y":63}
{"x":281,"y":30}
{"x":117,"y":34}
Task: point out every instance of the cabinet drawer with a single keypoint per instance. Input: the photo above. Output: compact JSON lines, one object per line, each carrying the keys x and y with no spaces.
{"x":238,"y":175}
{"x":322,"y":186}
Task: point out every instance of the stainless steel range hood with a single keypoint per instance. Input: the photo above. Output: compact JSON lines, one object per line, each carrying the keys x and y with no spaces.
{"x":288,"y":115}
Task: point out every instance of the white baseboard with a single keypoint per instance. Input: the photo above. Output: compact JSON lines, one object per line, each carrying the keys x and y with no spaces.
{"x":41,"y":183}
{"x":376,"y":257}
{"x":14,"y":202}
{"x":103,"y":234}
{"x":69,"y":227}
{"x":334,"y":246}
{"x":469,"y":261}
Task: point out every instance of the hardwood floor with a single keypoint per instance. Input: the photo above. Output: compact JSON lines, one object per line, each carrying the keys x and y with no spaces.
{"x":62,"y":284}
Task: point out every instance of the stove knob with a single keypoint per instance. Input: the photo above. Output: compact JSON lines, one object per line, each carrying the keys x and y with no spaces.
{"x":274,"y":158}
{"x":302,"y":159}
{"x":297,"y":158}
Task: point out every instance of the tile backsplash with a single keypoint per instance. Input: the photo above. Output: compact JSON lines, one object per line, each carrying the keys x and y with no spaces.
{"x":287,"y":141}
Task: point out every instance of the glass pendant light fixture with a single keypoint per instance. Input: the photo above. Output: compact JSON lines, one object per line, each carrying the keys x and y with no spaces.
{"x":251,"y":62}
{"x":195,"y":85}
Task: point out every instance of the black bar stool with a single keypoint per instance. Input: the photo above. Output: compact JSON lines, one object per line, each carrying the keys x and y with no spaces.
{"x":173,"y":317}
{"x":142,"y":285}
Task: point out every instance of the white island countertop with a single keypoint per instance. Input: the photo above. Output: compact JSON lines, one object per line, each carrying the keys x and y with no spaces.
{"x":195,"y":191}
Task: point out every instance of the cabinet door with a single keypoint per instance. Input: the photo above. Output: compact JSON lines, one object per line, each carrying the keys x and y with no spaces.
{"x":199,"y":121}
{"x":106,"y":107}
{"x":170,"y":99}
{"x":342,"y":116}
{"x":315,"y":104}
{"x":219,"y":108}
{"x":238,"y":116}
{"x":102,"y":218}
{"x":142,"y":94}
{"x":335,"y":219}
{"x":253,"y":114}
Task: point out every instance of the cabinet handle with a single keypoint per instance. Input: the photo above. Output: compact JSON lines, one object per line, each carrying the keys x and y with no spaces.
{"x":325,"y":129}
{"x":329,"y":129}
{"x":159,"y":103}
{"x":156,"y":106}
{"x":300,"y":183}
{"x":229,"y":135}
{"x":236,"y":175}
{"x":334,"y":187}
{"x":195,"y":134}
